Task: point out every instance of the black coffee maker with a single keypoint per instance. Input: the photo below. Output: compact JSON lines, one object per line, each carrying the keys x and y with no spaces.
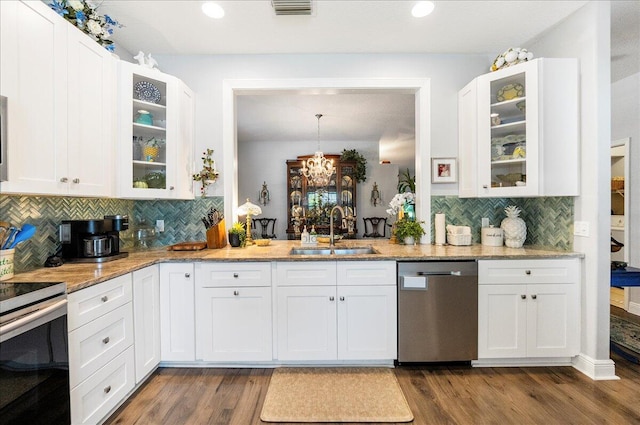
{"x":93,"y":241}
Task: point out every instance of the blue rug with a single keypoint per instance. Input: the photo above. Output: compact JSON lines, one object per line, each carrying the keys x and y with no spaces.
{"x":625,"y":338}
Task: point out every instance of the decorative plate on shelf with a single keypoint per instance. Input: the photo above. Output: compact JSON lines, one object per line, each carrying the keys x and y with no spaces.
{"x":147,"y":92}
{"x":510,"y":91}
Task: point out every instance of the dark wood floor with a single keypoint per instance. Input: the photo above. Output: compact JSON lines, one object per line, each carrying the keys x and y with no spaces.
{"x":436,"y":395}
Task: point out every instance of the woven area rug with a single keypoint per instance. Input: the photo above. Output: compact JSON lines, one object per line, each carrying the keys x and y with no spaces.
{"x":335,"y":395}
{"x":625,"y":338}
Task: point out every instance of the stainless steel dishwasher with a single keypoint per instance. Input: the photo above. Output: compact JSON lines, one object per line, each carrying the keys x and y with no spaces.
{"x":437,"y":311}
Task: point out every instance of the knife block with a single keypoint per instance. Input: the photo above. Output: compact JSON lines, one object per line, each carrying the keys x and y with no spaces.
{"x":217,"y":236}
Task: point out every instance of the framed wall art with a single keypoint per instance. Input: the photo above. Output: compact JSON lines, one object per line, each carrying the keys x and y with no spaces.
{"x":444,"y":170}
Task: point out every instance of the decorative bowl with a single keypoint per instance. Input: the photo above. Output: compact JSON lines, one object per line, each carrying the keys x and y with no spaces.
{"x":262,"y":242}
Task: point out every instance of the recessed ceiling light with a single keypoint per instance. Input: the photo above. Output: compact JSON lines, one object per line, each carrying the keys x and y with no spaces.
{"x":212,"y":10}
{"x":422,"y":8}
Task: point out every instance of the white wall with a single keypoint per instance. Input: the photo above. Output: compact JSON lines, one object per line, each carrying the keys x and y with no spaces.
{"x":205,"y":75}
{"x":586,"y":35}
{"x":625,"y":122}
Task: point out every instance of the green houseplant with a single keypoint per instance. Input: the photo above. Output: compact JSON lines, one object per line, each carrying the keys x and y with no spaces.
{"x":361,"y":163}
{"x":208,"y":174}
{"x":409,"y":229}
{"x":237,"y":235}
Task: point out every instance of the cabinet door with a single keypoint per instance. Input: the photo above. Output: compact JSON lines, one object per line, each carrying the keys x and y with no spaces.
{"x":91,"y":122}
{"x":234,"y":324}
{"x":177,"y":312}
{"x":367,"y":322}
{"x":146,"y":320}
{"x":552,"y":320}
{"x":502,"y":321}
{"x":33,"y":76}
{"x":508,"y":132}
{"x":468,"y":141}
{"x":307,"y":323}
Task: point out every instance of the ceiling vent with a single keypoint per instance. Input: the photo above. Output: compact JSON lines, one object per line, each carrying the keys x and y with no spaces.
{"x":291,"y":7}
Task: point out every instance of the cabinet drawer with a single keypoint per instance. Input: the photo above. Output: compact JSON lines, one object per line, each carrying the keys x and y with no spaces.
{"x":528,"y":271}
{"x":306,"y":273}
{"x":366,"y":272}
{"x":95,"y":344}
{"x":210,"y":275}
{"x":90,"y":303}
{"x":92,"y":400}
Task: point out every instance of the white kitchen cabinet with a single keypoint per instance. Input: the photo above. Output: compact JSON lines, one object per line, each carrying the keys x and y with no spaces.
{"x":101,"y":359}
{"x":177,"y":312}
{"x":233,"y":312}
{"x":528,"y":308}
{"x":146,"y":320}
{"x":352,"y":316}
{"x":518,"y":131}
{"x":60,"y":87}
{"x":165,"y":173}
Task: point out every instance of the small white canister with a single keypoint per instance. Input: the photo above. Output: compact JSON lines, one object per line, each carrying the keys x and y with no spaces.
{"x":491,"y":236}
{"x":6,"y":263}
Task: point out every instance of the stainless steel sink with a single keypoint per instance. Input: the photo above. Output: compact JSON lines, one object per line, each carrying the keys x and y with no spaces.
{"x":356,"y":250}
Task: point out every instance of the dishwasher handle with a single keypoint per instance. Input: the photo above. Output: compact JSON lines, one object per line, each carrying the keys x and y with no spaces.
{"x":449,"y":273}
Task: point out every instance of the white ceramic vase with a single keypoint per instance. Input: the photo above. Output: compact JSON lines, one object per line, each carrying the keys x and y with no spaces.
{"x":409,"y":240}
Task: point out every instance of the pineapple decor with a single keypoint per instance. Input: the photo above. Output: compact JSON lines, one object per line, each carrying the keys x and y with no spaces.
{"x":514,"y":228}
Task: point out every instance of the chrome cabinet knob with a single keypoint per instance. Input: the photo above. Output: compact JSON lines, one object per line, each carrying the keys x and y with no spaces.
{"x":64,"y":180}
{"x":534,"y":297}
{"x":527,"y":272}
{"x":236,"y":293}
{"x":76,"y":180}
{"x":106,"y":340}
{"x":187,"y":275}
{"x":235,"y":275}
{"x":524,"y":297}
{"x":341,"y":298}
{"x":107,"y":390}
{"x":171,"y":187}
{"x":104,"y":299}
{"x":484,"y":186}
{"x":331,"y":298}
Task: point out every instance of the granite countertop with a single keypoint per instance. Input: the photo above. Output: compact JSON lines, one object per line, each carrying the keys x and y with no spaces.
{"x":82,"y":275}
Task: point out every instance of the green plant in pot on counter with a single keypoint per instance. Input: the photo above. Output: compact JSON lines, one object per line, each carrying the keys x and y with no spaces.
{"x":409,"y":229}
{"x":237,"y":235}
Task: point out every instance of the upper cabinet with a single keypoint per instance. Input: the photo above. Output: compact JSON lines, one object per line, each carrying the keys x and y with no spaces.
{"x":60,"y":87}
{"x":518,"y":131}
{"x":155,"y":144}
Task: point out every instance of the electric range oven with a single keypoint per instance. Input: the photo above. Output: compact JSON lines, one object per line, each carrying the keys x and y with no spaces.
{"x":34,"y":355}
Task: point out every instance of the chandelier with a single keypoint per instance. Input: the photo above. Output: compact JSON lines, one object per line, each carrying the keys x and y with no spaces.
{"x":318,"y":169}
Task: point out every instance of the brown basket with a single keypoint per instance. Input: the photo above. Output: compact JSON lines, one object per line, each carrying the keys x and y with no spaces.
{"x":617,"y":184}
{"x":217,"y":236}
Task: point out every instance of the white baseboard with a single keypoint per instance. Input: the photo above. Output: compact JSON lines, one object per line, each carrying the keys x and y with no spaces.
{"x":634,"y":308}
{"x":598,"y":370}
{"x":523,"y":362}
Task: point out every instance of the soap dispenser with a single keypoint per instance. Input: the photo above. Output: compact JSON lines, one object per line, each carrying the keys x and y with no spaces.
{"x":305,"y":236}
{"x":313,"y":237}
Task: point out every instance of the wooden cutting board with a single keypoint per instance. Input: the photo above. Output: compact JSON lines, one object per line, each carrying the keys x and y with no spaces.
{"x":188,"y":246}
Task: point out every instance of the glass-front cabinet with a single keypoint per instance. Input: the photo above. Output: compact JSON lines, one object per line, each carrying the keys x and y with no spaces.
{"x":519,"y":131}
{"x":309,"y":205}
{"x":156,"y":145}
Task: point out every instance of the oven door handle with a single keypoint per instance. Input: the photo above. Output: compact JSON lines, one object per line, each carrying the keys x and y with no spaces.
{"x":33,"y":320}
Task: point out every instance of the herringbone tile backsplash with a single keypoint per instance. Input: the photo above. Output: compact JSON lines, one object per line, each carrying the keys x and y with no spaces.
{"x":549,"y":220}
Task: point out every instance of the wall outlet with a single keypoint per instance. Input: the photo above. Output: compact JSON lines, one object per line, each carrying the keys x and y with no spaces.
{"x":581,"y":228}
{"x":159,"y":226}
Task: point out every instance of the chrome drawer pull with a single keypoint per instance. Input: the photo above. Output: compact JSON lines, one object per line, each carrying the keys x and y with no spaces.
{"x":106,"y":340}
{"x":107,"y":389}
{"x":104,"y":299}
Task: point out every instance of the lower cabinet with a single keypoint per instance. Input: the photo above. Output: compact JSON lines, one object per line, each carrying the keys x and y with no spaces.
{"x":101,"y":356}
{"x":146,"y":320}
{"x":528,"y":308}
{"x":352,"y":319}
{"x":233,"y":312}
{"x":177,"y":315}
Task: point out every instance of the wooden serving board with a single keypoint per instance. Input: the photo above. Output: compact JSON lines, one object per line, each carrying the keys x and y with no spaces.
{"x":188,"y":246}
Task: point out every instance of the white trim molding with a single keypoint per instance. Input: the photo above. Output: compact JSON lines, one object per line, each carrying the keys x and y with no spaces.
{"x":598,"y":370}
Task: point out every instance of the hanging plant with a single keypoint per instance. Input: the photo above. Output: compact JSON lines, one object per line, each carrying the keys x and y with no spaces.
{"x":361,"y":163}
{"x":208,"y":175}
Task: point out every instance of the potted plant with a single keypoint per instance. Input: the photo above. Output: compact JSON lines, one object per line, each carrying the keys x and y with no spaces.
{"x":409,"y":231}
{"x":360,"y":173}
{"x":237,"y":235}
{"x":208,"y":174}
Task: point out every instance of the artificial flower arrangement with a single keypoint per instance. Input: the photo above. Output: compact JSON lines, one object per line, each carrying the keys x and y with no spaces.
{"x":511,"y":57}
{"x":398,"y":202}
{"x":208,"y":174}
{"x":84,"y":15}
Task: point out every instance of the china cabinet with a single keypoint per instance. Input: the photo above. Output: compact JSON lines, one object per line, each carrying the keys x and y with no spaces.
{"x":60,"y":87}
{"x":528,"y":308}
{"x":308,"y":204}
{"x":518,"y":131}
{"x":155,"y":147}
